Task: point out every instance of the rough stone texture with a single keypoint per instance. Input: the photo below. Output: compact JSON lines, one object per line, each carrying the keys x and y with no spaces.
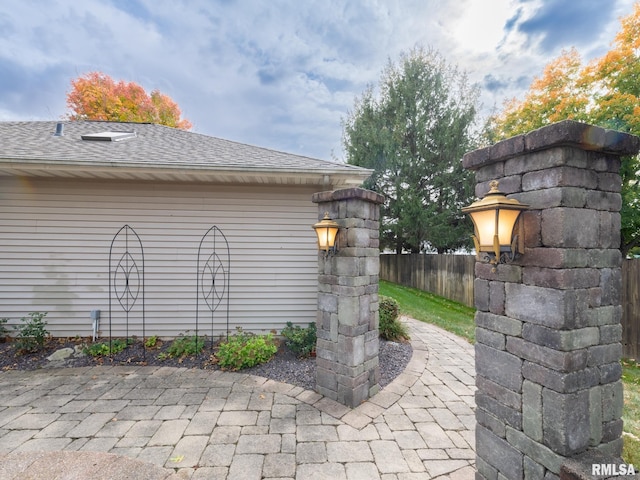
{"x":548,"y":324}
{"x":347,"y":347}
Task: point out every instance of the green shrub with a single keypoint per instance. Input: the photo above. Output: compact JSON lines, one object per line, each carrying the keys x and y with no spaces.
{"x":102,"y":349}
{"x":185,"y":346}
{"x":301,"y":341}
{"x":390,"y":327}
{"x":244,"y":350}
{"x":4,"y":331}
{"x":32,"y":333}
{"x":151,"y":342}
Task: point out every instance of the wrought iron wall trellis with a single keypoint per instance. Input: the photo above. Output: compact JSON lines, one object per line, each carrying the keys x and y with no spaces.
{"x":213,"y":272}
{"x":126,"y":277}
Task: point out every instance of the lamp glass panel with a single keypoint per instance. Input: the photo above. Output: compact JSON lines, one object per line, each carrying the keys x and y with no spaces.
{"x":485,"y":223}
{"x":506,"y":221}
{"x":326,"y":237}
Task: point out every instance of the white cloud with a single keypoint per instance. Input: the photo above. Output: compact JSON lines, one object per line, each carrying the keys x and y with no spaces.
{"x":279,"y":74}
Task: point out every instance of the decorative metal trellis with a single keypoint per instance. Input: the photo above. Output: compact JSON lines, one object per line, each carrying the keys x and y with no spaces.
{"x":212,"y":282}
{"x":126,"y":277}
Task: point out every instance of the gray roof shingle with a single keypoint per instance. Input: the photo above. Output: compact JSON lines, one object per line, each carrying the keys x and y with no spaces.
{"x":155,"y":146}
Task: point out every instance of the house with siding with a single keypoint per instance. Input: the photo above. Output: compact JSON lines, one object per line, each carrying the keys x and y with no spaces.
{"x":67,"y":188}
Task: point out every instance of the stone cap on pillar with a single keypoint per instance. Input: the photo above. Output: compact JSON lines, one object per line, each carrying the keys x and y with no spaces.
{"x":566,"y":133}
{"x":346,"y":194}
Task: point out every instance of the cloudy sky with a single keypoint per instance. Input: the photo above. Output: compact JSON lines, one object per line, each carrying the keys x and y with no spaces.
{"x":281,"y":74}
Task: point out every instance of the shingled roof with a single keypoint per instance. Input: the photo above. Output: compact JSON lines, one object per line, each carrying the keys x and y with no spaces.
{"x":156,"y":152}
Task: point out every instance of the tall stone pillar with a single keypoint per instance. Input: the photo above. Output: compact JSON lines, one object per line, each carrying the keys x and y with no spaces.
{"x":548,"y":325}
{"x":347,"y":346}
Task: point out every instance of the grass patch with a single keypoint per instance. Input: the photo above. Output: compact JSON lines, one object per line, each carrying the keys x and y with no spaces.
{"x":457,"y":318}
{"x":631,"y":412}
{"x":427,"y":307}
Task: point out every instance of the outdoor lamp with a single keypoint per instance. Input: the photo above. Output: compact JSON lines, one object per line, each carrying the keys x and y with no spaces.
{"x":494,"y":218}
{"x":327,"y":230}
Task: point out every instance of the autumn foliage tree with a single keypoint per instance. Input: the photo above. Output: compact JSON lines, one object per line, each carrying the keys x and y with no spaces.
{"x":96,"y":96}
{"x":605,"y":92}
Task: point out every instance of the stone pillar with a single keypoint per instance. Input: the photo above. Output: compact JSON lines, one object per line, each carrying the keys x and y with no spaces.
{"x":548,"y":325}
{"x":347,"y":347}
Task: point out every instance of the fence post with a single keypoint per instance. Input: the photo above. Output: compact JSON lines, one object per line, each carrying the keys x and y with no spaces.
{"x":347,"y":323}
{"x":548,"y":325}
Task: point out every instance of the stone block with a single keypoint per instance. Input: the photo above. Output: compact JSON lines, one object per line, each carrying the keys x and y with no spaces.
{"x":499,"y":323}
{"x":610,"y":373}
{"x":537,"y":451}
{"x":532,"y":224}
{"x":490,"y":338}
{"x":555,"y":197}
{"x":328,"y":302}
{"x":358,"y":237}
{"x":348,"y":266}
{"x":532,"y":410}
{"x":558,"y":381}
{"x":570,"y":228}
{"x":564,"y":340}
{"x":498,"y":392}
{"x":499,"y":366}
{"x":604,"y":315}
{"x":612,"y":430}
{"x":609,"y":182}
{"x":613,"y":399}
{"x":604,"y":354}
{"x":559,"y":177}
{"x":560,"y":361}
{"x":510,"y":416}
{"x":503,"y":272}
{"x":351,"y":350}
{"x":533,"y":470}
{"x":491,"y":422}
{"x":557,"y":258}
{"x":490,"y":172}
{"x":565,"y":421}
{"x":611,"y":285}
{"x":595,"y":415}
{"x":610,"y":230}
{"x":496,"y":297}
{"x":481,"y":294}
{"x":499,"y":454}
{"x":370,"y":265}
{"x":546,"y":306}
{"x":561,"y":278}
{"x":598,"y":200}
{"x":605,"y":258}
{"x":348,"y":311}
{"x":610,"y":334}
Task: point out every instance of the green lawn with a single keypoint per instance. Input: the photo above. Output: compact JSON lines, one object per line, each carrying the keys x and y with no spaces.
{"x":457,"y":318}
{"x":427,"y":307}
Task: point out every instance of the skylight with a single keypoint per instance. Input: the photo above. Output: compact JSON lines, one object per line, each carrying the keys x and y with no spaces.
{"x":108,"y":136}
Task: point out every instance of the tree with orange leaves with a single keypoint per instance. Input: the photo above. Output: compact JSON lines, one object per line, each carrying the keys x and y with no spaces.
{"x":606,"y":92}
{"x":96,"y":96}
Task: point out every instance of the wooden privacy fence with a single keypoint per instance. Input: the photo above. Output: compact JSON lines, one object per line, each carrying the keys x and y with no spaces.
{"x":450,"y":276}
{"x":631,"y":308}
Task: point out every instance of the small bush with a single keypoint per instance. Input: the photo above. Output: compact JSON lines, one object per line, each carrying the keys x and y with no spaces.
{"x":244,"y":350}
{"x":4,"y":331}
{"x":301,"y":341}
{"x":185,"y":346}
{"x":390,"y":327}
{"x":32,"y":333}
{"x":102,"y":349}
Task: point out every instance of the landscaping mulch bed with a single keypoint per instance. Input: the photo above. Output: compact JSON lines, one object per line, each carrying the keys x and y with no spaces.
{"x":285,"y":366}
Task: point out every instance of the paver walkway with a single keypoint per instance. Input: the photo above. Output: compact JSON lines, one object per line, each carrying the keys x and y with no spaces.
{"x":195,"y":424}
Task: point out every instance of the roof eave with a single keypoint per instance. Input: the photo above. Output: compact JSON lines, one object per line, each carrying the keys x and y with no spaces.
{"x":327,"y":177}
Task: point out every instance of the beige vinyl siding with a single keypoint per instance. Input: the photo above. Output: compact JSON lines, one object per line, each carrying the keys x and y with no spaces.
{"x":55,"y":237}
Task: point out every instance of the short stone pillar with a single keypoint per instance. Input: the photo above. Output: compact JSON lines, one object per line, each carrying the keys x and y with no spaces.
{"x":347,"y":321}
{"x":548,"y":325}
